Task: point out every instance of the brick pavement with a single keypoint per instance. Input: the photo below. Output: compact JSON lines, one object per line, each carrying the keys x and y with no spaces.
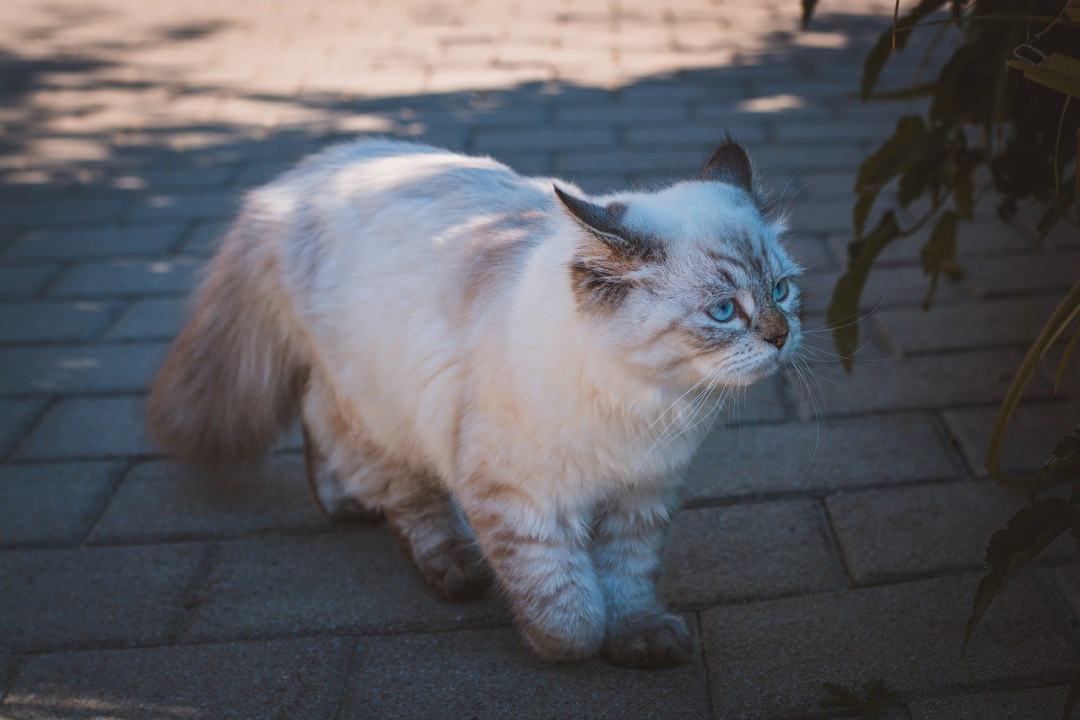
{"x":830,"y":535}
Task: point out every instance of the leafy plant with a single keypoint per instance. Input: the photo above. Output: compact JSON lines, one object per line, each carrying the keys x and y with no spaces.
{"x":872,"y":702}
{"x":1003,"y":117}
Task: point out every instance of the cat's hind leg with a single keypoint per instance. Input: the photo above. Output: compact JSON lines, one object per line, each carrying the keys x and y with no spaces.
{"x":353,"y":480}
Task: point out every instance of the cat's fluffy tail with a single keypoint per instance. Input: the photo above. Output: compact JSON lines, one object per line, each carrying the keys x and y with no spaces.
{"x":232,"y":379}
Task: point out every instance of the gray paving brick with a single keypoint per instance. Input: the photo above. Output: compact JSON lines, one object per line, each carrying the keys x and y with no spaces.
{"x":78,"y":368}
{"x":161,"y":499}
{"x":159,"y":318}
{"x":128,"y":277}
{"x":204,"y":238}
{"x":97,"y":427}
{"x":618,"y":113}
{"x":1015,"y":321}
{"x":926,"y":382}
{"x":107,"y":241}
{"x":15,"y":419}
{"x":816,"y":457}
{"x":885,"y":287}
{"x":71,"y":211}
{"x":184,"y":206}
{"x":676,"y":134}
{"x":285,"y":679}
{"x":1031,"y":435}
{"x":7,"y":667}
{"x":984,"y":236}
{"x":52,"y":503}
{"x":1039,"y":273}
{"x":811,"y":253}
{"x":488,"y":140}
{"x":908,"y":635}
{"x":675,"y":163}
{"x":748,"y":551}
{"x":56,"y":321}
{"x":65,"y":598}
{"x":1067,"y":582}
{"x":489,"y":674}
{"x":896,"y":533}
{"x":358,"y":581}
{"x":1031,"y":704}
{"x":25,"y":280}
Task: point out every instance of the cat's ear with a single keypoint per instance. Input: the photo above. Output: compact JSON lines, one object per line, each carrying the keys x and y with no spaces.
{"x":729,"y":164}
{"x":604,"y":223}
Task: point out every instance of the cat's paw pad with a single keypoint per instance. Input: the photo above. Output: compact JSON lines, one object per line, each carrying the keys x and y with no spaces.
{"x":455,"y":572}
{"x":652,"y":641}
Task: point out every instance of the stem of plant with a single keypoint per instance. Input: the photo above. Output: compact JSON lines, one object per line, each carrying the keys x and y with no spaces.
{"x":1057,"y":144}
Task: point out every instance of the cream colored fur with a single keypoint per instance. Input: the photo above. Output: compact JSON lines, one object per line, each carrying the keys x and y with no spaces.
{"x":423,"y":303}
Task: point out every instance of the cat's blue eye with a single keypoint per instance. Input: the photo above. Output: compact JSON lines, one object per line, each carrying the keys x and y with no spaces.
{"x":723,"y":311}
{"x":780,"y":290}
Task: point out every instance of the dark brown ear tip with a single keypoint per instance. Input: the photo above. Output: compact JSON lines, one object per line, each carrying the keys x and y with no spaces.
{"x":729,"y":164}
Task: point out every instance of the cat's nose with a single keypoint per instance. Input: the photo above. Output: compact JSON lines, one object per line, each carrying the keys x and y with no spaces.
{"x":778,"y":340}
{"x":773,"y":327}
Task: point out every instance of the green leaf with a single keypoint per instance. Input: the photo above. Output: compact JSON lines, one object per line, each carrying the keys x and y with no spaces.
{"x":875,"y":60}
{"x":939,"y":252}
{"x":1074,"y":687}
{"x":1069,"y":347}
{"x":1058,"y":72}
{"x":1064,"y":458}
{"x":843,"y":310}
{"x":903,"y":93}
{"x":1056,"y":210}
{"x":863,"y":202}
{"x":964,"y":190}
{"x":1026,"y":535}
{"x":1055,"y":325}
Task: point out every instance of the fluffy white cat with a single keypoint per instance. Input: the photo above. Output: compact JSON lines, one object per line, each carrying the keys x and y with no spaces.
{"x":513,"y":373}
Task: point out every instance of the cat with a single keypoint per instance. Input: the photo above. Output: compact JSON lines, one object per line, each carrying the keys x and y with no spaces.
{"x":511,"y":372}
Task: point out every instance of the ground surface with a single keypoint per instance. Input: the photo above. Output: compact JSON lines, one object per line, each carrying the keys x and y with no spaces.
{"x":840,"y":549}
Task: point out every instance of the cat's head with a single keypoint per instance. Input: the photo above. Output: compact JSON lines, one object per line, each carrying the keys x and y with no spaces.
{"x":690,"y":282}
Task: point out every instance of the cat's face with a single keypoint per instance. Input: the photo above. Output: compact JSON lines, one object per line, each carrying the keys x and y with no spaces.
{"x":691,"y":283}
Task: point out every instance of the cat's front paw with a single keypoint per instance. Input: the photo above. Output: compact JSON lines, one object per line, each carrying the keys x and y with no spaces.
{"x":649,"y":641}
{"x":455,"y":571}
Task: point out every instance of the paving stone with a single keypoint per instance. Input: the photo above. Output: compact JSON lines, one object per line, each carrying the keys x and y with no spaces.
{"x":761,"y":402}
{"x":485,"y":140}
{"x":25,"y":280}
{"x":1067,"y":582}
{"x":52,"y":503}
{"x":675,"y":134}
{"x":184,"y":206}
{"x":811,"y":253}
{"x":984,"y":236}
{"x":69,"y":211}
{"x":160,"y":499}
{"x":748,"y":551}
{"x":1032,"y":704}
{"x":128,"y":277}
{"x":15,"y":419}
{"x":1015,"y":321}
{"x":895,"y":533}
{"x":1033,"y":431}
{"x":1040,"y":273}
{"x":358,"y":582}
{"x":107,"y":241}
{"x":205,"y":238}
{"x":55,"y":321}
{"x":885,"y":287}
{"x":802,"y":457}
{"x":489,"y":674}
{"x":97,"y":427}
{"x":908,"y":635}
{"x":150,"y":319}
{"x":64,"y":598}
{"x":7,"y":667}
{"x":286,"y":679}
{"x":78,"y":368}
{"x":926,"y":382}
